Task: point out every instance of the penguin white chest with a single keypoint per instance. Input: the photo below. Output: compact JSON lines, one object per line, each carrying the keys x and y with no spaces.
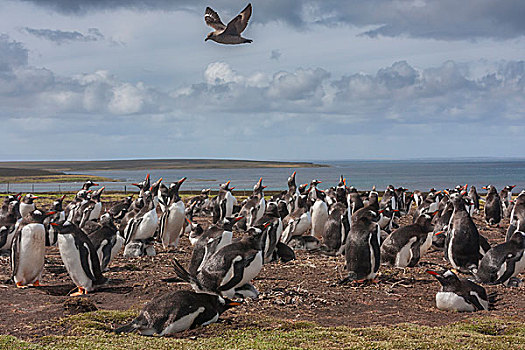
{"x":183,"y":323}
{"x":230,"y":202}
{"x":426,"y":244}
{"x":252,"y":270}
{"x":95,"y":213}
{"x":174,"y":224}
{"x":405,"y":253}
{"x":31,"y":253}
{"x":450,"y":301}
{"x":148,"y":225}
{"x":26,"y":208}
{"x":71,"y":257}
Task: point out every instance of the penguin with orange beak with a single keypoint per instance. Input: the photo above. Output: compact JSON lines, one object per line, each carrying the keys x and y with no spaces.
{"x":493,"y":208}
{"x":178,"y":311}
{"x":461,"y":295}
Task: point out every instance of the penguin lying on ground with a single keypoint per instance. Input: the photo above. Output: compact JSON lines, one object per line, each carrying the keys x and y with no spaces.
{"x":80,"y":258}
{"x":461,"y":294}
{"x":504,"y":262}
{"x":178,"y":311}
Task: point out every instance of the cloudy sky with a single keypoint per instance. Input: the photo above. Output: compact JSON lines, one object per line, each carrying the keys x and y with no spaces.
{"x":325,"y":79}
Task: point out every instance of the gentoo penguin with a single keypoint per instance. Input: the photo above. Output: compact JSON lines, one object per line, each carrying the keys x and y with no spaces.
{"x":80,"y":258}
{"x":163,"y":195}
{"x":474,"y":198}
{"x":389,"y":199}
{"x":27,"y":204}
{"x":106,"y":241}
{"x":292,"y":196}
{"x":273,"y":230}
{"x":440,"y":222}
{"x":178,"y":311}
{"x":120,"y":209}
{"x":229,"y":268}
{"x":362,"y":251}
{"x":59,"y":216}
{"x":10,"y":214}
{"x":74,"y":209}
{"x":223,"y":203}
{"x":493,"y":208}
{"x":144,"y":185}
{"x":406,"y":245}
{"x":253,"y":207}
{"x":462,"y":247}
{"x":173,"y":218}
{"x":517,"y":216}
{"x":228,"y":34}
{"x":504,"y":261}
{"x":318,"y":211}
{"x":336,"y":228}
{"x":196,"y":232}
{"x":297,"y":222}
{"x":140,"y":227}
{"x":461,"y":294}
{"x":92,"y":210}
{"x":210,"y":242}
{"x":201,"y":202}
{"x":79,"y":197}
{"x":418,"y":198}
{"x":506,"y":199}
{"x":28,"y":249}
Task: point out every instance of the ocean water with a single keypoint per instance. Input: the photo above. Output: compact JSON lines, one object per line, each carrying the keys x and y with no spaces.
{"x":421,"y":175}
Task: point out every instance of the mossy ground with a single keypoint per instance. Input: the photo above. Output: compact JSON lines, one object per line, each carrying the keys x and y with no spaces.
{"x":93,"y":331}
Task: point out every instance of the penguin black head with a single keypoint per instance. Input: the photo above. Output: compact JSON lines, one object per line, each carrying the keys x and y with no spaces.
{"x":88,"y":184}
{"x":228,"y":222}
{"x":65,"y":227}
{"x":425,"y":221}
{"x":154,"y":188}
{"x":58,"y":204}
{"x":447,"y":278}
{"x":144,"y":184}
{"x":128,"y":199}
{"x":205,"y":191}
{"x":302,"y":188}
{"x":37,"y":216}
{"x":29,"y":198}
{"x":291,"y":181}
{"x":225,"y":304}
{"x":315,"y":182}
{"x":226,"y":186}
{"x":519,"y":238}
{"x":96,"y":194}
{"x":490,"y":189}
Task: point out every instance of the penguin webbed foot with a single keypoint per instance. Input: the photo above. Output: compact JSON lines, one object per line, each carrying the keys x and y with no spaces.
{"x":81,"y":291}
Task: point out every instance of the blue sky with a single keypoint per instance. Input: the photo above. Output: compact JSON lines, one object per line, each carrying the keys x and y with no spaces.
{"x":323,"y":79}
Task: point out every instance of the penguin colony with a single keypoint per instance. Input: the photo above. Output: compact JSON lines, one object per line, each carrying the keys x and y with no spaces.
{"x":339,"y":221}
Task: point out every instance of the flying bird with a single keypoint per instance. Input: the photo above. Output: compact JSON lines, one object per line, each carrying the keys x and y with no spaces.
{"x":228,"y":34}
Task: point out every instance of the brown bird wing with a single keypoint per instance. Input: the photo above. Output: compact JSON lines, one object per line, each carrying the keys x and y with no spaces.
{"x":237,"y":25}
{"x":213,"y":20}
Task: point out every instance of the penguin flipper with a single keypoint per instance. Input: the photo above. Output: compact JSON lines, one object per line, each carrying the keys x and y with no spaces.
{"x":106,"y":254}
{"x":511,"y":265}
{"x":416,"y":252}
{"x":238,"y":270}
{"x":85,"y":256}
{"x":4,"y":231}
{"x":471,"y":299}
{"x":15,"y":253}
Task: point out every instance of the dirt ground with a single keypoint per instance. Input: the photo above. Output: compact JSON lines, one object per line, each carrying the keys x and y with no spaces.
{"x":305,"y":289}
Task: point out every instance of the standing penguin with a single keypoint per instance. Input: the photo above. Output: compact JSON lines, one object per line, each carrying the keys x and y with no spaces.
{"x":406,"y":245}
{"x":80,"y":258}
{"x":462,"y":246}
{"x":461,"y":294}
{"x":28,"y":249}
{"x":223,"y":203}
{"x":27,"y":204}
{"x":493,"y":208}
{"x":517,"y":216}
{"x":504,"y":262}
{"x":178,"y":311}
{"x":297,"y":222}
{"x":59,"y":216}
{"x":362,"y":251}
{"x":253,"y":208}
{"x":106,"y":241}
{"x":292,"y":196}
{"x":173,"y":218}
{"x":273,"y":229}
{"x":506,"y":199}
{"x":474,"y":198}
{"x":318,"y":211}
{"x":120,"y":209}
{"x":9,"y":217}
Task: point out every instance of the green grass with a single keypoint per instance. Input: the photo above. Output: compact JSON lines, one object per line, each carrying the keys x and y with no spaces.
{"x":92,"y":331}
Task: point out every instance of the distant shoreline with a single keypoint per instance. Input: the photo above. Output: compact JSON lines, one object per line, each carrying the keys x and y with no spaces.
{"x":55,"y":171}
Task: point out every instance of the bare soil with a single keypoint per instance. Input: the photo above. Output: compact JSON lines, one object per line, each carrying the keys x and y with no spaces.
{"x":305,"y":289}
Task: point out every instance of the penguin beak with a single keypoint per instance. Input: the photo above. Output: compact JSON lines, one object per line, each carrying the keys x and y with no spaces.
{"x":188,"y":221}
{"x":512,"y":186}
{"x":484,"y":187}
{"x":239,"y":218}
{"x":444,"y":191}
{"x":234,"y":303}
{"x":267,"y":224}
{"x":433,"y":273}
{"x":50,"y":213}
{"x":439,"y":233}
{"x":34,"y":197}
{"x":147,"y":177}
{"x":182,"y":180}
{"x":293,"y":175}
{"x":231,"y":189}
{"x":95,"y":184}
{"x":54,"y":224}
{"x":228,"y":183}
